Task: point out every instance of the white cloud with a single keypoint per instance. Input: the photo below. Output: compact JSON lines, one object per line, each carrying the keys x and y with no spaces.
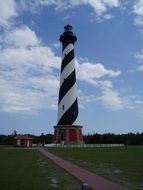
{"x":56,"y":45}
{"x":93,"y":74}
{"x":85,"y":99}
{"x":140,"y":68}
{"x":35,"y":5}
{"x":138,"y":102}
{"x":138,"y":21}
{"x":67,"y":17}
{"x":111,"y":99}
{"x":105,"y":84}
{"x":21,"y":37}
{"x":100,"y":7}
{"x":138,"y":7}
{"x":135,"y":102}
{"x":139,"y":55}
{"x":37,"y":58}
{"x":138,"y":11}
{"x":28,"y":81}
{"x":88,"y":71}
{"x":8,"y":10}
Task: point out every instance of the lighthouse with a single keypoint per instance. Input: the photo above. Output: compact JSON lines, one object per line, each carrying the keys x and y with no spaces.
{"x":67,"y":130}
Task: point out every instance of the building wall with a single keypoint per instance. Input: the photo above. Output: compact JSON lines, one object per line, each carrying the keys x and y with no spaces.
{"x":24,"y":143}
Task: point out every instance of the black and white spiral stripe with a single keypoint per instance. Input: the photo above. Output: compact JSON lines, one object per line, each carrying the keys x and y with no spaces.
{"x":68,"y":104}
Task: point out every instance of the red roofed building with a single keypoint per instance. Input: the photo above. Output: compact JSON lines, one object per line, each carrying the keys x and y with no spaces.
{"x":23,"y":141}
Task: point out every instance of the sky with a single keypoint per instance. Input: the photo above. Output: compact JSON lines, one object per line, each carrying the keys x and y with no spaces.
{"x":108,"y":56}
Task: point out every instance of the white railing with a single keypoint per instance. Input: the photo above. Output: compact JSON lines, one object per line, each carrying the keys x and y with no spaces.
{"x":84,"y":145}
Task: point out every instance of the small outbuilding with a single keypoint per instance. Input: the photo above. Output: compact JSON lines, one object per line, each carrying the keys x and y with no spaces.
{"x":23,"y":141}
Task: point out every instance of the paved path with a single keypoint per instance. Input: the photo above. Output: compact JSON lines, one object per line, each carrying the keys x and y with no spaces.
{"x":94,"y":181}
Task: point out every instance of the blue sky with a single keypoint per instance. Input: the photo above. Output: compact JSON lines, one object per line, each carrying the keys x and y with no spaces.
{"x":109,"y":64}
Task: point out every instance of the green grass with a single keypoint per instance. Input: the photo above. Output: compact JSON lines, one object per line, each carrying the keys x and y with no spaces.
{"x":6,"y":146}
{"x":28,"y":169}
{"x":123,"y":165}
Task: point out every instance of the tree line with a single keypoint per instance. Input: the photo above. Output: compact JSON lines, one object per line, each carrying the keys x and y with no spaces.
{"x":108,"y":138}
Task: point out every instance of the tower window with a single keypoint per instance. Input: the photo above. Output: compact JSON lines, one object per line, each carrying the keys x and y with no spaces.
{"x":63,"y":107}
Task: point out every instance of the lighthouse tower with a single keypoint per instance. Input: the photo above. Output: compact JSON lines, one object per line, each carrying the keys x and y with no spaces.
{"x":67,"y":130}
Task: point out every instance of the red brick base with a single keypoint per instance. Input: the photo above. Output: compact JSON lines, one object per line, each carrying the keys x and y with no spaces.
{"x":68,"y":134}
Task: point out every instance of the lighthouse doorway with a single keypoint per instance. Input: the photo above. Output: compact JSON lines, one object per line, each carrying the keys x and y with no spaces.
{"x":62,"y":136}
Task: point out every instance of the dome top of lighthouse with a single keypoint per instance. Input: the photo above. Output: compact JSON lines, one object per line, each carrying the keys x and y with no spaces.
{"x":68,"y":28}
{"x":68,"y":36}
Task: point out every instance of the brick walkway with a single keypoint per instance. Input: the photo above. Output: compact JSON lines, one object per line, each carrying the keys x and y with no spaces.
{"x":94,"y":181}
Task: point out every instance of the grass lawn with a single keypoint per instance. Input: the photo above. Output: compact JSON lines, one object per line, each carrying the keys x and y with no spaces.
{"x":123,"y":165}
{"x":6,"y":146}
{"x":29,"y":170}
